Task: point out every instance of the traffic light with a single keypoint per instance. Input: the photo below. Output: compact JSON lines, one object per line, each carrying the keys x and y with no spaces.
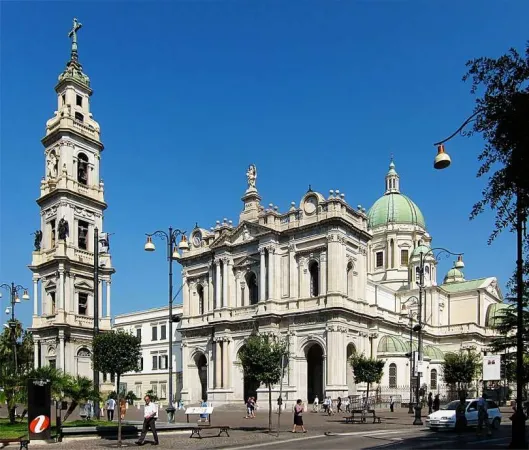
{"x":175,"y":318}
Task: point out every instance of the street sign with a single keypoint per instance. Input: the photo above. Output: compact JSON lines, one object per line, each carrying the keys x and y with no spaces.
{"x":39,"y":409}
{"x":492,"y":368}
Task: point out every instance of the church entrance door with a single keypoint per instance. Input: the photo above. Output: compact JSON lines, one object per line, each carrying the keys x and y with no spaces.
{"x":315,"y":372}
{"x":202,"y":367}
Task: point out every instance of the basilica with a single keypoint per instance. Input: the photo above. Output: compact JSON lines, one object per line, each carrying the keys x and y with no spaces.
{"x":330,"y":280}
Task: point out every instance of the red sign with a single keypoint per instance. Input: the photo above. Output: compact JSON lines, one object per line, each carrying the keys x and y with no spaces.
{"x":39,"y":424}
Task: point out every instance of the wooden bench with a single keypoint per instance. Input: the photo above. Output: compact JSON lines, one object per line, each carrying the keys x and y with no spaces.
{"x":22,"y":440}
{"x":362,"y":413}
{"x":206,"y":424}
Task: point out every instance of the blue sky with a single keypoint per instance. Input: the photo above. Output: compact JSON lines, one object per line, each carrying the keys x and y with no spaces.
{"x":189,"y":93}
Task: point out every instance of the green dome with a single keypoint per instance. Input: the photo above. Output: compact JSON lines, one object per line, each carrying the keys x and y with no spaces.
{"x":414,"y":346}
{"x":454,"y":276}
{"x":495,"y":314}
{"x":434,"y":353}
{"x":394,"y":207}
{"x":392,"y":344}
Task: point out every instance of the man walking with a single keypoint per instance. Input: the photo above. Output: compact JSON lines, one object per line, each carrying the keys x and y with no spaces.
{"x":110,"y":406}
{"x":150,"y":414}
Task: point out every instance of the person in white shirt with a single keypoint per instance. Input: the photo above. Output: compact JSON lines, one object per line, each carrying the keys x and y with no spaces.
{"x":110,"y":406}
{"x":150,"y":414}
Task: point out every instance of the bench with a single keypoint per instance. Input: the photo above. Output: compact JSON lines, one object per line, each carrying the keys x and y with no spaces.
{"x":362,"y":413}
{"x":204,"y":423}
{"x":22,"y":440}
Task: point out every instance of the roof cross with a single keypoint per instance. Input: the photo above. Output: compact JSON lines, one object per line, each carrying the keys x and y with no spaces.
{"x":73,"y":34}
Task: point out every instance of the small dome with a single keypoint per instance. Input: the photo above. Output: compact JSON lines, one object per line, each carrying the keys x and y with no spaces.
{"x":454,"y":276}
{"x":434,"y":353}
{"x":424,"y":249}
{"x":394,"y":207}
{"x":392,"y":344}
{"x":495,"y":314}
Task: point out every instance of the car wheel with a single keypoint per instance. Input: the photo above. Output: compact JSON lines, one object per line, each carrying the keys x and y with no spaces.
{"x":496,"y":423}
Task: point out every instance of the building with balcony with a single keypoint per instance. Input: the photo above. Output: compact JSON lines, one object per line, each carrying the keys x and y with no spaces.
{"x":71,"y":206}
{"x":331,"y":280}
{"x":152,"y":327}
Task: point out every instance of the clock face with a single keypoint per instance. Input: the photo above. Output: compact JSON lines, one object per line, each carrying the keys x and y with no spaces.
{"x":311,"y":204}
{"x":197,"y":239}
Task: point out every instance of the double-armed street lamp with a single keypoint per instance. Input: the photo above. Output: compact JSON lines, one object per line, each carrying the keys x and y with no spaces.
{"x":172,"y":254}
{"x":408,"y":312}
{"x":14,"y":296}
{"x":423,"y":251}
{"x":442,"y":161}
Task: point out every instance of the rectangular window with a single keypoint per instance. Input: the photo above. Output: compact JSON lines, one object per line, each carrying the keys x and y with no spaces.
{"x":105,"y":378}
{"x":154,"y":333}
{"x":52,"y":363}
{"x":163,"y":362}
{"x":78,"y":100}
{"x":154,"y":362}
{"x":63,"y":97}
{"x":154,"y":389}
{"x":163,"y":390}
{"x":53,"y":304}
{"x":79,"y":117}
{"x":112,"y":377}
{"x":82,"y":235}
{"x":163,"y":332}
{"x":379,"y":259}
{"x":138,"y":390}
{"x":138,"y":333}
{"x":404,"y":257}
{"x":83,"y":304}
{"x":52,"y":233}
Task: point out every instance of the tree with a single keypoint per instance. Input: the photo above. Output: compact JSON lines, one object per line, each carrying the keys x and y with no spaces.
{"x":261,"y":357}
{"x":367,"y":370}
{"x":11,"y":380}
{"x":154,"y":398}
{"x":459,"y":369}
{"x":116,"y":352}
{"x":78,"y":389}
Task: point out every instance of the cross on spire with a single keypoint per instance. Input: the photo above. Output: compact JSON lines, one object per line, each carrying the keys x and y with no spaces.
{"x":73,"y":34}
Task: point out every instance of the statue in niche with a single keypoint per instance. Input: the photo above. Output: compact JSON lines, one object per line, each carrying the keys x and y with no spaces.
{"x":251,"y":175}
{"x":52,"y":164}
{"x":38,"y":240}
{"x":64,"y":229}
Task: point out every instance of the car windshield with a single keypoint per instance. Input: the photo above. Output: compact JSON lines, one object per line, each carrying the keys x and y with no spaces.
{"x":452,"y":406}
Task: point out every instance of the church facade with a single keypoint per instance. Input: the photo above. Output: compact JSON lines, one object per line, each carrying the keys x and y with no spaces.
{"x":71,"y":203}
{"x":331,"y":280}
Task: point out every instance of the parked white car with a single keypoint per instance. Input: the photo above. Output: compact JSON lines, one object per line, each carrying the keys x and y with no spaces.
{"x":445,"y":418}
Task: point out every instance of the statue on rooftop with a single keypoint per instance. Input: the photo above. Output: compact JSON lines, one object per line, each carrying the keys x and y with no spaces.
{"x":251,"y":174}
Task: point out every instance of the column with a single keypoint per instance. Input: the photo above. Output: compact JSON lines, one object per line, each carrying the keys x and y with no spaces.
{"x":108,"y":298}
{"x":35,"y":297}
{"x":100,"y":299}
{"x":218,"y":285}
{"x":36,"y":354}
{"x":225,"y":281}
{"x":211,"y":295}
{"x":62,"y":356}
{"x":185,"y":295}
{"x":218,"y":365}
{"x":60,"y":300}
{"x":232,"y":283}
{"x":334,"y":256}
{"x":323,"y":273}
{"x":225,"y":376}
{"x":293,"y":272}
{"x":271,"y":273}
{"x":262,"y":275}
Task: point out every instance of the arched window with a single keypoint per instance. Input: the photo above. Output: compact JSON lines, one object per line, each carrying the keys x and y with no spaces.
{"x":433,"y":379}
{"x":82,"y":168}
{"x":350,"y":280}
{"x":84,"y":353}
{"x":392,"y":249}
{"x":200,"y":293}
{"x":253,"y":292}
{"x":392,"y":375}
{"x":314,"y":270}
{"x":427,"y":273}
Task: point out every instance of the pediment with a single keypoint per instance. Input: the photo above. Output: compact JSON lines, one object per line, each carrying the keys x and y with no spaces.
{"x":83,"y":284}
{"x":245,"y":261}
{"x":50,"y":284}
{"x":494,"y":289}
{"x":246,"y":232}
{"x":223,"y":239}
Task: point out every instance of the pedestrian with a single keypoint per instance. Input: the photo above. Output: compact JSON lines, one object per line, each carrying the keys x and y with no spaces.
{"x":436,"y":403}
{"x":391,"y":404}
{"x":483,"y":416}
{"x":122,"y":408}
{"x":430,"y":403}
{"x":461,"y":419}
{"x":298,"y":417}
{"x":110,"y":406}
{"x":316,"y":404}
{"x":150,"y":414}
{"x":339,"y":405}
{"x":204,"y":417}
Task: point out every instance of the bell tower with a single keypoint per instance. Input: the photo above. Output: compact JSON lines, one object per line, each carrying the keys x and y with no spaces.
{"x":71,"y":206}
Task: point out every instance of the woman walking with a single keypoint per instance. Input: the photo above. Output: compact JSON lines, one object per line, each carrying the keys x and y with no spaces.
{"x":298,"y":417}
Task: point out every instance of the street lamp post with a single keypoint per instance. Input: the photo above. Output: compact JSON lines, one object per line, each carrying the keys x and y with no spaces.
{"x":412,"y":360}
{"x":418,"y":328}
{"x":442,"y":161}
{"x":172,"y":254}
{"x":14,"y":299}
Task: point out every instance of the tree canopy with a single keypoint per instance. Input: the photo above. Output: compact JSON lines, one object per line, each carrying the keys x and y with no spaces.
{"x":461,"y":368}
{"x":367,"y":370}
{"x":262,"y":358}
